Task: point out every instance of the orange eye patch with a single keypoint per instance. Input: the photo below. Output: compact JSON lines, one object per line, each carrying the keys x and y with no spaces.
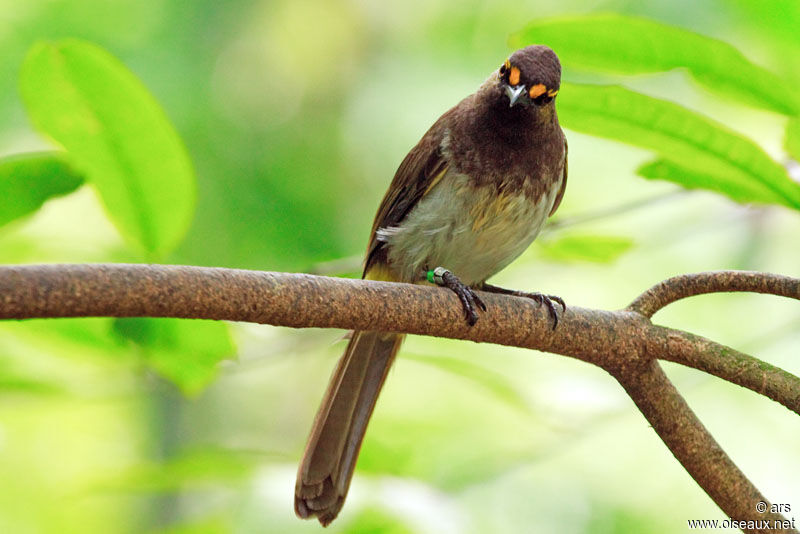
{"x":537,"y":90}
{"x":513,"y":78}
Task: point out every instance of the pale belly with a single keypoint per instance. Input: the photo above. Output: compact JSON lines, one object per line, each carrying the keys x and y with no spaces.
{"x":471,"y":231}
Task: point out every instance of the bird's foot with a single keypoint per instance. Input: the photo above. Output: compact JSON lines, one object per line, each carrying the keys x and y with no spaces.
{"x":469,"y":299}
{"x":540,"y":298}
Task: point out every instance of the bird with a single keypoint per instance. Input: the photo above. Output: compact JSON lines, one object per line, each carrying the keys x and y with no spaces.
{"x":466,"y":201}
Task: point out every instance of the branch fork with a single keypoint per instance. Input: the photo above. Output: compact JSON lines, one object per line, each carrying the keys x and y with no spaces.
{"x":625,"y":343}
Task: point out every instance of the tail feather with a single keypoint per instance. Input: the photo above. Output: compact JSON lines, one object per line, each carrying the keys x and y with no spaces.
{"x":330,"y":456}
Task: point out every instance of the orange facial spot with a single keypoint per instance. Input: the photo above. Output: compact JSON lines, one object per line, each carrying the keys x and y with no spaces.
{"x":537,"y":90}
{"x":507,"y":64}
{"x":552,"y":92}
{"x":513,"y":78}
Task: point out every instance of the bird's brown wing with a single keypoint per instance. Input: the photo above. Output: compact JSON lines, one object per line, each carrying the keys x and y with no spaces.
{"x":421,"y":169}
{"x":560,"y":194}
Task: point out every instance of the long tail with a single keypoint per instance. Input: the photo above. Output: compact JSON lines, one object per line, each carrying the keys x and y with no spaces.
{"x":330,"y":456}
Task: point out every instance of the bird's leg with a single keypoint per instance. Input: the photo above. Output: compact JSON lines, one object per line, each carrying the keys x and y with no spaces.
{"x":541,"y":298}
{"x":469,"y":299}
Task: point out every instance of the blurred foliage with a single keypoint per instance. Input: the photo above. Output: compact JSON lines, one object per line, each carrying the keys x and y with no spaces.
{"x":262,"y":134}
{"x":793,"y":138}
{"x":186,"y":352}
{"x":376,"y":521}
{"x":31,"y":179}
{"x":191,"y":470}
{"x":493,"y":382}
{"x":116,"y":135}
{"x":593,"y":248}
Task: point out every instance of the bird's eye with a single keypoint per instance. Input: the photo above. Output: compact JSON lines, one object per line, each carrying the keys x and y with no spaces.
{"x":504,"y":68}
{"x":541,"y":100}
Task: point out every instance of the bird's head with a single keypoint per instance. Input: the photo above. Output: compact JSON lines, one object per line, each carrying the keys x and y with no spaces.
{"x":531,"y":77}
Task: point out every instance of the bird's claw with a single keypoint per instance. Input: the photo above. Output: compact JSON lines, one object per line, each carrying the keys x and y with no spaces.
{"x":547,"y":300}
{"x":539,"y":298}
{"x":469,"y":299}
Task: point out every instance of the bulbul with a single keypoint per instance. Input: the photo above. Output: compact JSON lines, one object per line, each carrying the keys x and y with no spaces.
{"x":468,"y":199}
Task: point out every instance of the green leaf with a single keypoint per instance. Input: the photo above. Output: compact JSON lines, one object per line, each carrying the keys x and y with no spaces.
{"x":631,"y":45}
{"x":683,"y":137}
{"x":117,"y":135}
{"x":792,"y":142}
{"x":27,"y":181}
{"x":590,"y":248}
{"x":184,"y":351}
{"x":745,"y":192}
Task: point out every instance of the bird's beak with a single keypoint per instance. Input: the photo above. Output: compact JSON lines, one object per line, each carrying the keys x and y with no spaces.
{"x":514,"y":92}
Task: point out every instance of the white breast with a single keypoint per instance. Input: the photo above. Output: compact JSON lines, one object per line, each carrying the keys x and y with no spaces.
{"x":472,"y":231}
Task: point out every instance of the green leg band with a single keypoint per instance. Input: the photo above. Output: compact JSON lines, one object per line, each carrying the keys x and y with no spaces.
{"x":437,"y":275}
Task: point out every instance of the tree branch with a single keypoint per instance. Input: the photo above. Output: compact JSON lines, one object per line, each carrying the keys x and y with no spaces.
{"x":689,"y":285}
{"x":693,"y":446}
{"x":625,"y":342}
{"x":726,"y":363}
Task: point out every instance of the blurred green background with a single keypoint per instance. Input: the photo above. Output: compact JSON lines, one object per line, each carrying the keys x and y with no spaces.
{"x":295,"y":115}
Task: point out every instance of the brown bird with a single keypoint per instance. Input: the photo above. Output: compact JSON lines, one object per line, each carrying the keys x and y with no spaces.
{"x":465,"y":202}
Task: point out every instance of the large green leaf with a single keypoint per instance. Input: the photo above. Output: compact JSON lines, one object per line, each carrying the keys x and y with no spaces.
{"x":745,"y":192}
{"x":184,"y":351}
{"x":117,"y":135}
{"x":678,"y":135}
{"x":792,"y":142}
{"x":631,"y":45}
{"x":28,"y":180}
